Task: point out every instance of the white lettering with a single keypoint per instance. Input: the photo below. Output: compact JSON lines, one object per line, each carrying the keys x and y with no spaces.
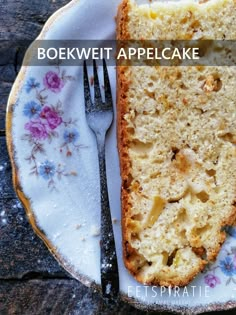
{"x":129,"y":292}
{"x":176,"y":291}
{"x":154,"y":291}
{"x":122,"y":54}
{"x":193,"y":287}
{"x":95,"y":53}
{"x":176,"y":53}
{"x":138,"y":291}
{"x":207,"y":291}
{"x":163,"y":53}
{"x":196,"y":53}
{"x":146,"y":290}
{"x":41,"y":53}
{"x":150,"y":53}
{"x":132,"y":52}
{"x":53,"y":50}
{"x":185,"y":292}
{"x":185,"y":53}
{"x":62,"y":53}
{"x":70,"y":53}
{"x":163,"y":290}
{"x":108,"y":50}
{"x":141,"y":52}
{"x":157,"y":57}
{"x":83,"y":52}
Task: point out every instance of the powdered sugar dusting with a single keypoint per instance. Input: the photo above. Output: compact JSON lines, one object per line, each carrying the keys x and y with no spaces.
{"x":95,"y":230}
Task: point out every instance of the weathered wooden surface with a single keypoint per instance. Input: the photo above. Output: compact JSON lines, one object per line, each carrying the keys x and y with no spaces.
{"x":56,"y":297}
{"x":31,"y":280}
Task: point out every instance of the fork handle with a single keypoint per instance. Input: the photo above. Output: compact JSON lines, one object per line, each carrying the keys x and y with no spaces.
{"x":109,"y":266}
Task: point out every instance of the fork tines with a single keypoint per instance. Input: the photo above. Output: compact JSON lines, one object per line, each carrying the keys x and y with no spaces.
{"x":98,"y":103}
{"x":99,"y":116}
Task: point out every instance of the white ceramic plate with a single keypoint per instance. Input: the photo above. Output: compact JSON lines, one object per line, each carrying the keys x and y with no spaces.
{"x":55,"y":171}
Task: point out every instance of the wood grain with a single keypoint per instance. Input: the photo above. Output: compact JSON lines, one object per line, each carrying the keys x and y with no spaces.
{"x":55,"y":297}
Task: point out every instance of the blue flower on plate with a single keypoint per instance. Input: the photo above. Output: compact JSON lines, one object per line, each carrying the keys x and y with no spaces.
{"x":71,"y":135}
{"x":31,"y":84}
{"x":32,"y":109}
{"x":227,"y":266}
{"x":47,"y":170}
{"x":231,"y":231}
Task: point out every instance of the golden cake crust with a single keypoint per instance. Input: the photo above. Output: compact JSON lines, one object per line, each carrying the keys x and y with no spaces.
{"x":134,"y":260}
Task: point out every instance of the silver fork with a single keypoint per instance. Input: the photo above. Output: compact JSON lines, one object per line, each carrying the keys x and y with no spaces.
{"x":99,"y":118}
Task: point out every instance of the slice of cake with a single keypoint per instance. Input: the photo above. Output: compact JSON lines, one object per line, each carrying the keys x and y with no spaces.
{"x":176,"y":136}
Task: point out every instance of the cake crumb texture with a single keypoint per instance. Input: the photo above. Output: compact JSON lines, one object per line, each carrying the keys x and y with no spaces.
{"x":176,"y":138}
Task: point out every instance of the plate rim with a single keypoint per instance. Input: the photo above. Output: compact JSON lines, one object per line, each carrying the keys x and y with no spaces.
{"x":87,"y":281}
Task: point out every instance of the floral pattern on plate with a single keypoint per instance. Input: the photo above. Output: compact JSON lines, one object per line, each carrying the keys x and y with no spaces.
{"x":224,"y":268}
{"x":44,"y":120}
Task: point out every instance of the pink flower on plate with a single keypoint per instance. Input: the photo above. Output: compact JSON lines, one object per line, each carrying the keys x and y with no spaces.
{"x":52,"y":117}
{"x":211,"y":280}
{"x":37,"y":129}
{"x":53,"y":82}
